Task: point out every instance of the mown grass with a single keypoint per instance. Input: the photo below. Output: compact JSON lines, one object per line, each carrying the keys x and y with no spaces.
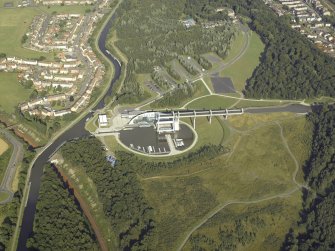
{"x":15,"y":22}
{"x":2,"y":3}
{"x":208,"y":133}
{"x":241,"y":70}
{"x":3,"y":196}
{"x":92,"y":124}
{"x":258,"y":103}
{"x":216,"y":102}
{"x":236,"y":47}
{"x":11,"y":92}
{"x":258,"y":165}
{"x":4,"y":159}
{"x":212,"y":102}
{"x":3,"y":146}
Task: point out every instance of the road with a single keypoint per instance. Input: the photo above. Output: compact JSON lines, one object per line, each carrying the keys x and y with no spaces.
{"x":15,"y":160}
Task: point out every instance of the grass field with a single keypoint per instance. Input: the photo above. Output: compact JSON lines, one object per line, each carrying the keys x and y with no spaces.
{"x":257,"y":166}
{"x":212,"y":102}
{"x":3,"y":196}
{"x":11,"y":92}
{"x":4,"y":159}
{"x":15,"y":22}
{"x":3,"y":146}
{"x":256,"y":103}
{"x":2,"y":3}
{"x":216,"y":102}
{"x":236,"y":47}
{"x":241,"y":70}
{"x":248,"y":227}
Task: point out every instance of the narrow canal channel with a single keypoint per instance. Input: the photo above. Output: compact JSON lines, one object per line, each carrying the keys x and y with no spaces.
{"x":77,"y":131}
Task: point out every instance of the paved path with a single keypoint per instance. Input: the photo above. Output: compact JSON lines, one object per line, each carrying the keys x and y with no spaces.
{"x":15,"y":160}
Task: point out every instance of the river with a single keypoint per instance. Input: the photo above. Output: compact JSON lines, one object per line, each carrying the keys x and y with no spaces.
{"x":78,"y":130}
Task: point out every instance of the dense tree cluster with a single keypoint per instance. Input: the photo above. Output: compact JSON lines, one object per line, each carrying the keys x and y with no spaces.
{"x":188,"y":65}
{"x":60,"y":225}
{"x":144,"y":167}
{"x":118,"y":190}
{"x":205,"y":9}
{"x":175,"y":98}
{"x":10,"y":210}
{"x":291,"y":66}
{"x":131,"y":90}
{"x":162,"y":79}
{"x":173,"y":73}
{"x":151,"y":34}
{"x":203,"y":62}
{"x":317,"y":228}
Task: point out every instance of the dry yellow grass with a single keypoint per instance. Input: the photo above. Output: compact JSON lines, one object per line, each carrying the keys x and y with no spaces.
{"x":3,"y":146}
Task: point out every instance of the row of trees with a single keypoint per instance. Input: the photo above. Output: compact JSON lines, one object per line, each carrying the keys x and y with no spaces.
{"x":316,"y":229}
{"x":10,"y":210}
{"x":59,"y":222}
{"x":162,"y":79}
{"x":131,"y":90}
{"x":203,"y":62}
{"x":176,"y":97}
{"x":188,"y":65}
{"x":149,"y":168}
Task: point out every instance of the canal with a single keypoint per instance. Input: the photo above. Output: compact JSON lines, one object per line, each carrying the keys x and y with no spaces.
{"x":77,"y":131}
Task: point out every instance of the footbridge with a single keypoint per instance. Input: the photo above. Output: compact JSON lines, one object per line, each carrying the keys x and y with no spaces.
{"x":169,"y":121}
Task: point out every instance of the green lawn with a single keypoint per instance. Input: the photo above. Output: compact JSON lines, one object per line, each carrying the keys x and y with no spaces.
{"x":241,"y":70}
{"x":212,"y":102}
{"x":11,"y":92}
{"x":4,"y":159}
{"x":15,"y":22}
{"x":236,"y":47}
{"x":92,"y":124}
{"x":257,"y":103}
{"x":257,"y":166}
{"x":2,"y":2}
{"x":3,"y":196}
{"x":216,"y":102}
{"x":208,"y":133}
